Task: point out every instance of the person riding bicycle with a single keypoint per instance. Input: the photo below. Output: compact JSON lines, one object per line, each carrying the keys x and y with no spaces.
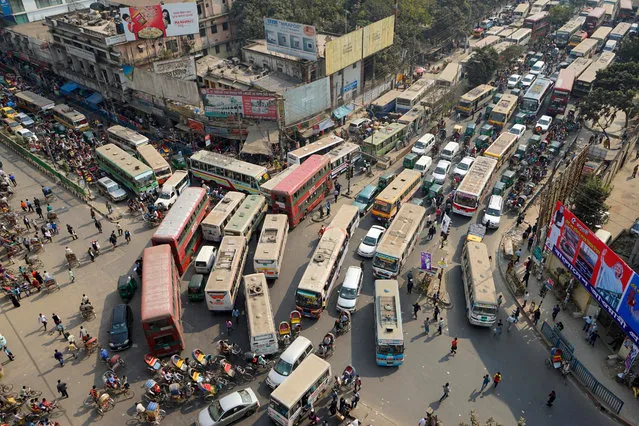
{"x":103,"y":400}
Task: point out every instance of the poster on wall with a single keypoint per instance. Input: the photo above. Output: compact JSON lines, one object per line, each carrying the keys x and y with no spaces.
{"x":250,"y":104}
{"x":160,"y":20}
{"x":599,"y":269}
{"x":180,"y":68}
{"x":291,"y":38}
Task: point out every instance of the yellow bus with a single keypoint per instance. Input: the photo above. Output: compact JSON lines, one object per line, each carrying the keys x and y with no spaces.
{"x":475,"y":100}
{"x":223,"y":283}
{"x":479,"y":287}
{"x":214,"y":223}
{"x":503,"y":111}
{"x":502,"y":148}
{"x":70,"y":118}
{"x":270,"y":247}
{"x":400,"y":190}
{"x":154,"y":160}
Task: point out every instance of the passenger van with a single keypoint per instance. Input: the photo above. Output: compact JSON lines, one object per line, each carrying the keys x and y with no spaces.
{"x":450,"y":151}
{"x":423,"y":164}
{"x":538,"y":68}
{"x":172,"y":188}
{"x":492,"y":214}
{"x":290,"y":359}
{"x":424,"y":144}
{"x":610,"y":46}
{"x":357,"y":125}
{"x":205,"y":259}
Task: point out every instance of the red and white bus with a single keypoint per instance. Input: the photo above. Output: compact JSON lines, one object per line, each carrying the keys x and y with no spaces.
{"x":594,"y":20}
{"x":304,"y":189}
{"x":181,"y":229}
{"x":472,"y":187}
{"x":161,"y":311}
{"x":539,"y":23}
{"x":561,"y":92}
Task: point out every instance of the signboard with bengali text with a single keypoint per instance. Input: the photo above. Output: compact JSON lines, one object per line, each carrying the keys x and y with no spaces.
{"x":244,"y":103}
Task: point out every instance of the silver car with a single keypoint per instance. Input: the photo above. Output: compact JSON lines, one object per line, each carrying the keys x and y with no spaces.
{"x":229,"y":409}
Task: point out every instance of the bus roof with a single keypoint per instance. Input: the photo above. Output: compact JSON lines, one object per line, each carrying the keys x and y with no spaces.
{"x":621,"y":29}
{"x":502,"y":46}
{"x":272,"y":234}
{"x":228,"y":257}
{"x":157,"y":282}
{"x":399,"y":233}
{"x":416,"y":89}
{"x":244,"y":214}
{"x":485,"y":42}
{"x":180,"y":213}
{"x":412,"y":115}
{"x":481,"y":272}
{"x":230,"y":163}
{"x":599,"y":64}
{"x":152,"y":157}
{"x":327,"y":141}
{"x":497,"y":148}
{"x":537,"y":17}
{"x":388,"y":311}
{"x":293,"y":388}
{"x":268,"y":186}
{"x":609,"y":8}
{"x":175,"y":178}
{"x":573,"y":25}
{"x":538,"y":88}
{"x":300,"y":175}
{"x":579,"y":65}
{"x":66,"y":110}
{"x":505,"y":103}
{"x":386,"y":98}
{"x":227,"y":204}
{"x":126,"y":133}
{"x":398,"y":185}
{"x":324,"y":256}
{"x":258,"y":305}
{"x":36,"y":99}
{"x":482,"y":168}
{"x":601,"y":33}
{"x":450,"y":74}
{"x":520,"y":33}
{"x":383,"y":133}
{"x":341,"y":150}
{"x":584,"y":46}
{"x":522,"y":8}
{"x":597,"y":12}
{"x":343,"y":216}
{"x":477,"y":92}
{"x":565,"y":80}
{"x":123,"y":159}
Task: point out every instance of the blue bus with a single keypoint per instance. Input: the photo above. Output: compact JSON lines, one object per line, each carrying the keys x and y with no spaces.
{"x":389,"y":336}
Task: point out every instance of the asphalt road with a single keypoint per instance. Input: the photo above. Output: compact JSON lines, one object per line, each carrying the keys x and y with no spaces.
{"x":403,"y":393}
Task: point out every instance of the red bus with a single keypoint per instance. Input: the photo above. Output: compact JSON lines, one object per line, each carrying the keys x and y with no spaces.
{"x":594,"y":19}
{"x":561,"y":92}
{"x":180,"y":229}
{"x":304,"y":189}
{"x":161,"y":305}
{"x":539,"y":23}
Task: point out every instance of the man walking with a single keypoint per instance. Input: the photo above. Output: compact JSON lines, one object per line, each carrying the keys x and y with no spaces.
{"x":453,"y":347}
{"x":526,"y":297}
{"x":427,"y":326}
{"x":98,"y":225}
{"x":526,"y":278}
{"x":555,"y":312}
{"x":229,"y":327}
{"x":435,"y":313}
{"x":440,"y":326}
{"x":409,"y":286}
{"x":71,"y":232}
{"x":127,"y":236}
{"x":536,"y":316}
{"x":113,"y":239}
{"x":38,"y":210}
{"x":496,"y":379}
{"x":236,"y":314}
{"x":62,"y":389}
{"x":416,"y":308}
{"x":446,"y":392}
{"x":71,"y":275}
{"x":59,"y":357}
{"x":42,"y":319}
{"x":551,"y":398}
{"x":119,"y":228}
{"x":355,"y":400}
{"x":484,"y":382}
{"x":328,"y":208}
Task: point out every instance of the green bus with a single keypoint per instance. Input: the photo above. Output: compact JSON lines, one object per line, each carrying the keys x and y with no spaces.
{"x":126,"y":169}
{"x":384,"y":139}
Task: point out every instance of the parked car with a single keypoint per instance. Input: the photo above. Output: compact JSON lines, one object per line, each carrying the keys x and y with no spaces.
{"x":518,"y":129}
{"x":440,"y":172}
{"x":513,"y":81}
{"x":369,"y":244}
{"x":120,"y":332}
{"x":229,"y":409}
{"x":462,"y":167}
{"x":528,"y":80}
{"x":24,"y":119}
{"x":543,"y":124}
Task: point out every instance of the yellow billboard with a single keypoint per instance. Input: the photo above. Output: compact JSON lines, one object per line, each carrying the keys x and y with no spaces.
{"x":378,"y":35}
{"x":343,"y":51}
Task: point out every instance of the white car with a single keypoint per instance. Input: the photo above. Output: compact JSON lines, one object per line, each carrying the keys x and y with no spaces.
{"x":369,"y":244}
{"x":350,"y":289}
{"x":513,"y":81}
{"x":544,"y":123}
{"x":462,"y":168}
{"x":518,"y":129}
{"x":24,"y":119}
{"x":440,"y":172}
{"x":528,"y":80}
{"x":231,"y":408}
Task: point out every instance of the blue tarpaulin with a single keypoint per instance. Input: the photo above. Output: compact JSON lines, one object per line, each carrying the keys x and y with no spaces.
{"x":343,"y":111}
{"x":68,"y":87}
{"x":95,"y":98}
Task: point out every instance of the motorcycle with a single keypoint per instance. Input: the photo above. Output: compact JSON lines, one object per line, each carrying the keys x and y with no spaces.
{"x":343,"y":323}
{"x":256,"y":362}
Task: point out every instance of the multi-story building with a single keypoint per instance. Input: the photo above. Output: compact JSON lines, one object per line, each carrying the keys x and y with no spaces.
{"x":22,"y":11}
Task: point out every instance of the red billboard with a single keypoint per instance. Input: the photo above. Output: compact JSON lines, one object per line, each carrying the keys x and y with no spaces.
{"x":243,"y":103}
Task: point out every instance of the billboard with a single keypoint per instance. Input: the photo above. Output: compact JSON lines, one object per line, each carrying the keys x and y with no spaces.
{"x":160,"y":20}
{"x":181,"y":68}
{"x":599,"y":269}
{"x":307,"y":100}
{"x":343,"y":51}
{"x":378,"y":35}
{"x":5,"y":8}
{"x":250,"y":104}
{"x":290,"y":38}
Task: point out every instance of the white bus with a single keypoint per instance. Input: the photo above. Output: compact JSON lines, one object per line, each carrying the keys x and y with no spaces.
{"x":583,"y":83}
{"x":389,"y":335}
{"x":270,"y":247}
{"x":521,"y":37}
{"x":127,"y":139}
{"x":248,"y":217}
{"x":536,"y":95}
{"x":154,"y":160}
{"x":343,"y":156}
{"x":410,"y":97}
{"x":214,"y":223}
{"x":585,"y":49}
{"x":316,"y":284}
{"x":259,"y":316}
{"x":303,"y":387}
{"x":398,"y":241}
{"x":320,"y":147}
{"x":223,"y":283}
{"x":601,"y":35}
{"x":563,"y":34}
{"x":472,"y":187}
{"x":620,"y":31}
{"x":228,"y":172}
{"x":479,"y":287}
{"x":346,"y":218}
{"x":70,"y":118}
{"x":579,"y":65}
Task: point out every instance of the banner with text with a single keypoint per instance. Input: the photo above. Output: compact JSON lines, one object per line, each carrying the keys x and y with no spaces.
{"x":249,"y":104}
{"x":160,"y":20}
{"x":291,"y":38}
{"x":181,"y":68}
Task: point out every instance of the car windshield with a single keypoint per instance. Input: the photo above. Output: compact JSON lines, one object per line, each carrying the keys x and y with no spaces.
{"x":348,"y":293}
{"x":14,"y":124}
{"x":419,"y":145}
{"x":164,"y":196}
{"x":369,"y":241}
{"x":493,"y":212}
{"x":118,"y":327}
{"x":544,"y":122}
{"x":440,"y":170}
{"x":283,"y":368}
{"x":362,"y":199}
{"x":463,"y":166}
{"x":215,"y":411}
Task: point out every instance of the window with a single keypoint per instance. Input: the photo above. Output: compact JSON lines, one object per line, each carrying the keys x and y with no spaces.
{"x":214,"y":29}
{"x":225,"y":26}
{"x":47,"y":3}
{"x":172,"y":45}
{"x":199,"y":9}
{"x":190,"y":37}
{"x":217,"y":49}
{"x":17,"y":7}
{"x":202,"y":32}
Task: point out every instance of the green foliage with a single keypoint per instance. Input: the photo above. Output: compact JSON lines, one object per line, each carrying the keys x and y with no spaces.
{"x":589,"y":201}
{"x":482,"y":66}
{"x":559,"y":15}
{"x":629,"y":50}
{"x":510,"y":54}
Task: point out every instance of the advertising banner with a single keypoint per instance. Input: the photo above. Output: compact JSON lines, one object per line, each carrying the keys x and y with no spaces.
{"x":250,"y":104}
{"x":427,"y":261}
{"x":599,"y":269}
{"x":5,"y":8}
{"x":181,"y":68}
{"x":343,"y":51}
{"x":160,"y":20}
{"x":307,"y":100}
{"x":378,"y":35}
{"x":290,"y":38}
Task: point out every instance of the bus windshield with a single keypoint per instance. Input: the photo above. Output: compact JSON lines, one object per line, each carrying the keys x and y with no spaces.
{"x":309,"y":299}
{"x":466,"y":200}
{"x":498,"y":116}
{"x":529,"y":105}
{"x":390,"y":349}
{"x":382,"y":207}
{"x":386,"y":263}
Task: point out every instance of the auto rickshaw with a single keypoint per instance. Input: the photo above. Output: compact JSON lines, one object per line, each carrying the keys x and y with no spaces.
{"x":59,"y":129}
{"x":126,"y":287}
{"x":487,"y":130}
{"x":418,"y":201}
{"x":470,"y":130}
{"x":88,"y":137}
{"x":196,"y":288}
{"x":534,"y":141}
{"x":482,"y":142}
{"x":384,"y":180}
{"x":178,"y":161}
{"x":522,"y":148}
{"x":427,"y":183}
{"x":497,"y":97}
{"x":489,"y":109}
{"x":499,"y":189}
{"x":476,"y":232}
{"x":410,"y":160}
{"x":555,"y":147}
{"x":435,"y":190}
{"x":508,"y":178}
{"x":520,"y":118}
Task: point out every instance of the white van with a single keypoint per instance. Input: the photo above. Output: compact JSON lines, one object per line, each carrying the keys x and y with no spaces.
{"x":357,"y":125}
{"x":492,"y":214}
{"x":290,"y":359}
{"x":111,"y":189}
{"x":205,"y":259}
{"x":351,"y":287}
{"x":610,"y":46}
{"x":423,"y":164}
{"x":538,"y":68}
{"x":424,"y":144}
{"x":171,"y":189}
{"x":450,"y":151}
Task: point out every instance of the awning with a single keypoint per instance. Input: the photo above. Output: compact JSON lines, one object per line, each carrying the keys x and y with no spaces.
{"x":260,"y":138}
{"x":325,"y":124}
{"x":343,"y":111}
{"x":68,"y":87}
{"x":95,"y":99}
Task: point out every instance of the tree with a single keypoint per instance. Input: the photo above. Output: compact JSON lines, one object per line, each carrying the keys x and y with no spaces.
{"x":559,"y":15}
{"x":589,"y":201}
{"x":509,"y":55}
{"x":629,"y":50}
{"x":484,"y":63}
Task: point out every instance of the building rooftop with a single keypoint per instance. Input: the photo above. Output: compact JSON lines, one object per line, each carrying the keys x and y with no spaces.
{"x":38,"y":30}
{"x":259,"y":46}
{"x":91,"y":20}
{"x":276,"y":82}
